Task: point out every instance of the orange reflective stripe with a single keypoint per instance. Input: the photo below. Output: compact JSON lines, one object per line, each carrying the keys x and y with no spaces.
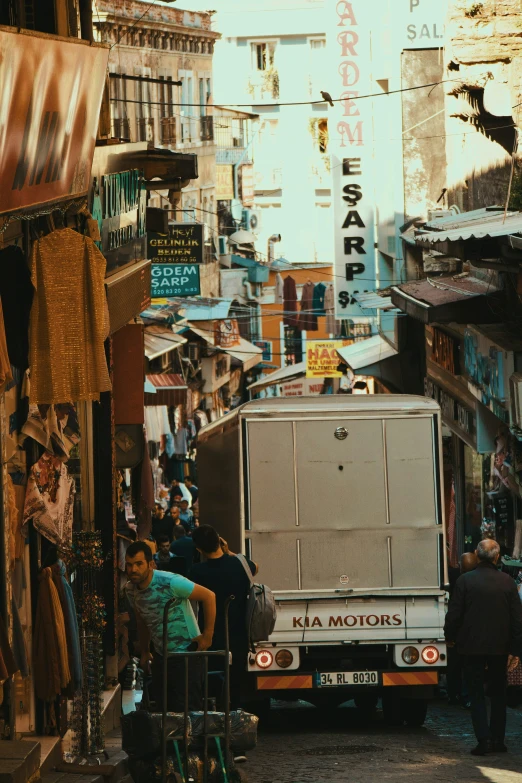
{"x":410,"y":678}
{"x":284,"y":683}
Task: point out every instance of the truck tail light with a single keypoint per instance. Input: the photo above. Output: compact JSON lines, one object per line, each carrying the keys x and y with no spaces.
{"x":284,"y":659}
{"x":264,"y":659}
{"x":410,"y":655}
{"x":430,"y":654}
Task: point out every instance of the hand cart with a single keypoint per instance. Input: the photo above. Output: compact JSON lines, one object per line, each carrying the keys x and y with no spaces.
{"x":229,"y":774}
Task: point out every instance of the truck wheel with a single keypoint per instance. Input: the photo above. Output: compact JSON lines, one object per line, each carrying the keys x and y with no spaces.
{"x":414,"y":711}
{"x":391,"y":708}
{"x":261,"y":708}
{"x":366,"y":704}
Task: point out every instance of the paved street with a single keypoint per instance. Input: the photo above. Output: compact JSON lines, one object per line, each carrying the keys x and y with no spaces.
{"x":305,"y":746}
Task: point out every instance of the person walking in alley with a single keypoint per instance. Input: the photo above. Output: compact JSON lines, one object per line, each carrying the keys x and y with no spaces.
{"x":163,"y":556}
{"x":147,"y":591}
{"x":457,"y":692}
{"x":484,"y":621}
{"x":183,"y":546}
{"x":192,"y":489}
{"x":222,"y":572}
{"x":185,"y":515}
{"x":162,"y":525}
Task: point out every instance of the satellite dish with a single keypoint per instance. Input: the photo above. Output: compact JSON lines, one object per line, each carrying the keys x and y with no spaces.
{"x":242,"y":237}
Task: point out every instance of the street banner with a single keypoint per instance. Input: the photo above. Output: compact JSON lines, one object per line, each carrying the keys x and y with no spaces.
{"x":51,"y":96}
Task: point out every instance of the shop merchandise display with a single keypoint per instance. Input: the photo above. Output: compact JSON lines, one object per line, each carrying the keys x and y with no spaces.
{"x":6,"y":375}
{"x":49,"y":499}
{"x":85,"y":558}
{"x":67,"y":355}
{"x":51,"y":665}
{"x":55,"y":427}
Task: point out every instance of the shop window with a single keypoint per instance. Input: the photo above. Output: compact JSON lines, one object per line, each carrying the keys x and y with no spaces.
{"x":473,"y":497}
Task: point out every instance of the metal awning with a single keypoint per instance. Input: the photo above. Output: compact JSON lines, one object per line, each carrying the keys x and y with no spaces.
{"x":373,"y":301}
{"x":171,"y":389}
{"x":476,"y":225}
{"x":246,"y":353}
{"x":279,"y":376}
{"x":207,"y":309}
{"x":159,"y":340}
{"x":363,"y":355}
{"x":449,"y":298}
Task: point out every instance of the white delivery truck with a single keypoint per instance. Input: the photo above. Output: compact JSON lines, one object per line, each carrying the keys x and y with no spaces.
{"x":338,"y":499}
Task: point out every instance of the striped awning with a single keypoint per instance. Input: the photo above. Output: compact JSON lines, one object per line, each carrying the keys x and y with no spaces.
{"x":171,"y":389}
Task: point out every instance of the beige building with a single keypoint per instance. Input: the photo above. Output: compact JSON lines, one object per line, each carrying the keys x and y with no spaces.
{"x":483,"y":62}
{"x":160,"y":67}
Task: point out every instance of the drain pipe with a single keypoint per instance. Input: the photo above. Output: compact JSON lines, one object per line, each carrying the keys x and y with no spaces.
{"x":271,"y":242}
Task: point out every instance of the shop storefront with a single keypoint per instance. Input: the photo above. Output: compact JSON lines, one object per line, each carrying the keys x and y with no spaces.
{"x":468,"y":372}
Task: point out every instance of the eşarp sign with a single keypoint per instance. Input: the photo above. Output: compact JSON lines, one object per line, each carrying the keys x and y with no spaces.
{"x":175,"y":260}
{"x":350,"y":124}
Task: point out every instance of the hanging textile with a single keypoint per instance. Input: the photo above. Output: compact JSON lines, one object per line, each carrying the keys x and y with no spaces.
{"x":279,"y":289}
{"x":19,"y":648}
{"x":6,"y":375}
{"x":318,"y":299}
{"x":329,"y":306}
{"x":143,"y":493}
{"x":7,"y":662}
{"x":307,"y":318}
{"x":290,"y":317}
{"x":63,"y":588}
{"x":68,"y":319}
{"x":49,"y":499}
{"x":16,"y":293}
{"x":55,"y":427}
{"x":51,"y":666}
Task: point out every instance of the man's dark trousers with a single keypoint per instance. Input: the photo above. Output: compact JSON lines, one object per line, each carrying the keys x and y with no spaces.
{"x":480,"y":670}
{"x":176,"y":683}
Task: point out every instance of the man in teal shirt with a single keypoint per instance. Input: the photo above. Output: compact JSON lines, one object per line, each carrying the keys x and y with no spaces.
{"x":148,"y":590}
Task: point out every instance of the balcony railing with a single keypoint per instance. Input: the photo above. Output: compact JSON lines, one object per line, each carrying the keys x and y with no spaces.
{"x":168,"y":131}
{"x":206,"y":128}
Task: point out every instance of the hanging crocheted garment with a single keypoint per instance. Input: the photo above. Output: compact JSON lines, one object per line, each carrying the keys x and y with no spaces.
{"x":68,"y":319}
{"x":49,"y":499}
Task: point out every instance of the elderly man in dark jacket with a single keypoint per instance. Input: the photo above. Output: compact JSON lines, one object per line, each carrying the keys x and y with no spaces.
{"x":484,"y":621}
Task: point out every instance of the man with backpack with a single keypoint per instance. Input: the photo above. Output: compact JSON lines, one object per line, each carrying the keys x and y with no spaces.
{"x":224,"y":574}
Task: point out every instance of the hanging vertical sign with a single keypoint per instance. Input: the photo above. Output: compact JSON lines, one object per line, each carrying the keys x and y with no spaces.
{"x":350,"y":134}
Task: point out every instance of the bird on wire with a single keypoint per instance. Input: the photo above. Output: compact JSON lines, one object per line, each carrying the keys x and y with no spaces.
{"x":327,"y":97}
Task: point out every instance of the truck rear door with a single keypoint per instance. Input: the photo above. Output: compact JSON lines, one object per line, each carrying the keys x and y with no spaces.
{"x":343,"y":502}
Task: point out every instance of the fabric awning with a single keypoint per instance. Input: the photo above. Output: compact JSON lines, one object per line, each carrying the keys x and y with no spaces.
{"x":159,"y":340}
{"x":364,"y":355}
{"x":445,"y":299}
{"x":279,"y":376}
{"x":171,"y":389}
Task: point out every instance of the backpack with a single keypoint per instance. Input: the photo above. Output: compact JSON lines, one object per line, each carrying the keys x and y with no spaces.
{"x":261,"y":611}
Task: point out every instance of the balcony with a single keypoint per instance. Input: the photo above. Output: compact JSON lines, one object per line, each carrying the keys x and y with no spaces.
{"x":206,"y":128}
{"x":168,"y":131}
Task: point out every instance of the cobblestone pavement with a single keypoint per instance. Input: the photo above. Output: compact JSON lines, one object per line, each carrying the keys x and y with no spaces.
{"x":310,"y":746}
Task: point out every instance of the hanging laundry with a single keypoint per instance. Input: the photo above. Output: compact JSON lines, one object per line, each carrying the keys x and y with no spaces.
{"x":290,"y":317}
{"x":307,"y":318}
{"x":49,"y":499}
{"x":329,"y":306}
{"x":68,"y":319}
{"x":16,"y":293}
{"x":279,"y":289}
{"x":318,"y":299}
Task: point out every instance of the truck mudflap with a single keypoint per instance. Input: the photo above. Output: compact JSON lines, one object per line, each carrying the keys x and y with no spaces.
{"x":279,"y":682}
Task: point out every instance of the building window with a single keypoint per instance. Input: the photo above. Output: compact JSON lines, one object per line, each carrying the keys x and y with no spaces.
{"x":319,"y":130}
{"x":263,"y":56}
{"x":293,"y":345}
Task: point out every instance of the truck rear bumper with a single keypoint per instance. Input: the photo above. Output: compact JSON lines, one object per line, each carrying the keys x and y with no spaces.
{"x":299,"y":682}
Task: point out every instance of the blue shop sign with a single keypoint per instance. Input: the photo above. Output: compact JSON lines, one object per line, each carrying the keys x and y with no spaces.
{"x":488,"y":368}
{"x":172,"y":280}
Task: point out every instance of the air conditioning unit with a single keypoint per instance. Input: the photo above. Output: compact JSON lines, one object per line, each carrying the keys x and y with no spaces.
{"x":515,"y":398}
{"x":252,"y":220}
{"x":433,"y":214}
{"x":222,"y":242}
{"x":194,"y":352}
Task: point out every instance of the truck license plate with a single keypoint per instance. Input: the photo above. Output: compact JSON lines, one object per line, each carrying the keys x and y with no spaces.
{"x":335,"y":679}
